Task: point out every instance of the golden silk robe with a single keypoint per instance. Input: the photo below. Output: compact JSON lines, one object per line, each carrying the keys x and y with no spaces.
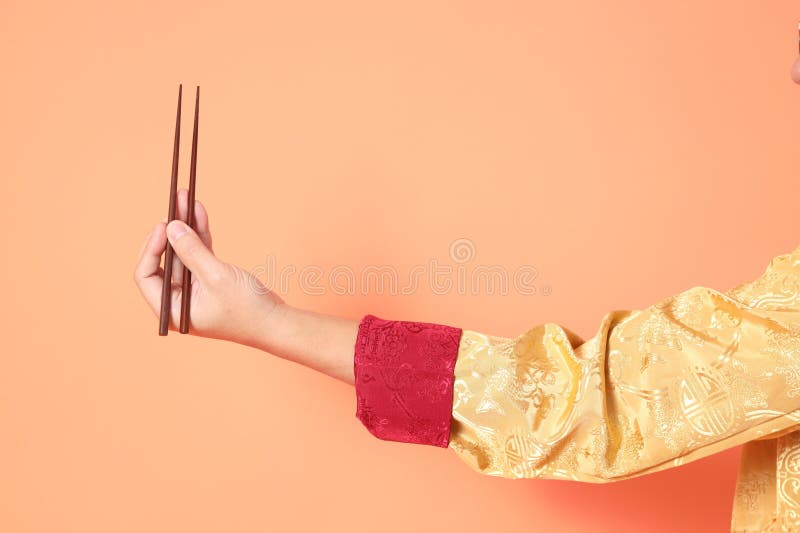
{"x":689,"y":376}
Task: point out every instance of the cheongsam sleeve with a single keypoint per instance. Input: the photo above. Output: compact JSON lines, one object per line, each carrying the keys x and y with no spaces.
{"x":693,"y":374}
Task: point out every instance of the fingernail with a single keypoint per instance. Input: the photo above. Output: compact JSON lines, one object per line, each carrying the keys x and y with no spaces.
{"x":176,"y":229}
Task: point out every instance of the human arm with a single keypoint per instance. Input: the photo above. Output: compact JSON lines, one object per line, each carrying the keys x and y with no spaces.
{"x":689,"y":376}
{"x":230,"y":303}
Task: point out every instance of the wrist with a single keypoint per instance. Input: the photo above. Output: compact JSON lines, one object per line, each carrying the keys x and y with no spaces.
{"x":322,"y":342}
{"x":263,"y":331}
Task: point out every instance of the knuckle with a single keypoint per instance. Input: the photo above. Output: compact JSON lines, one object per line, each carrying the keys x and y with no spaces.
{"x":216,"y":276}
{"x":193,"y":249}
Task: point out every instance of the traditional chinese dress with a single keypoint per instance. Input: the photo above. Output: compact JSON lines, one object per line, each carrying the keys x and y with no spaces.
{"x":691,"y":375}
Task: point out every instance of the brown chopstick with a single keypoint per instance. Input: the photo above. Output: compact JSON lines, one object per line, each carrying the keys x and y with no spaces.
{"x":186,"y":291}
{"x":166,"y":291}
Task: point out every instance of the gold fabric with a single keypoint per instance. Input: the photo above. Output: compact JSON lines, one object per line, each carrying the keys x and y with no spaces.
{"x":689,"y":376}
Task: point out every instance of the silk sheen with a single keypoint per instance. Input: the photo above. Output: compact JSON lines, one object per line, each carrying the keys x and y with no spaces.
{"x":689,"y":376}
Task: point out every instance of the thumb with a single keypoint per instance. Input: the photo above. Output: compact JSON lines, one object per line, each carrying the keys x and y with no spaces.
{"x":192,"y":251}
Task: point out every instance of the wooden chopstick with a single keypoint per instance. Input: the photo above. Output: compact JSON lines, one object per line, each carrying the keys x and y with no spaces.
{"x":166,"y":292}
{"x":186,"y":290}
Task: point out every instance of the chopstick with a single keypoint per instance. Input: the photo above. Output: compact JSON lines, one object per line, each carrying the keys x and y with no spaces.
{"x":169,"y":254}
{"x":186,"y":291}
{"x":166,"y":290}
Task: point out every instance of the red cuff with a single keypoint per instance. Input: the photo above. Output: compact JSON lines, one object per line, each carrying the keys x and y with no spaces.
{"x":404,"y":379}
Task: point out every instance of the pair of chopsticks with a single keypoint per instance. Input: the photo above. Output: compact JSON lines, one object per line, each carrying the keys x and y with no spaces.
{"x":186,"y":289}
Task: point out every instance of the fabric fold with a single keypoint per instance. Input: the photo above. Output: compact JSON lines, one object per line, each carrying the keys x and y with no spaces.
{"x":767,"y":497}
{"x":691,"y":375}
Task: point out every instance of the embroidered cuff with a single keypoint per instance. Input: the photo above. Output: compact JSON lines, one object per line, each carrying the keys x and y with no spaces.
{"x":404,"y":379}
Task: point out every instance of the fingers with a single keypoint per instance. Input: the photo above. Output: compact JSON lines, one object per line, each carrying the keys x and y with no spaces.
{"x":200,"y":216}
{"x":196,"y":249}
{"x":148,"y":273}
{"x":144,"y":246}
{"x":194,"y":253}
{"x":201,"y":227}
{"x":796,"y":71}
{"x":201,"y":224}
{"x":181,"y":212}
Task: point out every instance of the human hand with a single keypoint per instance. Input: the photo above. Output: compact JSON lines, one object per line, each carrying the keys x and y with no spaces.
{"x":227,"y":302}
{"x":796,"y":70}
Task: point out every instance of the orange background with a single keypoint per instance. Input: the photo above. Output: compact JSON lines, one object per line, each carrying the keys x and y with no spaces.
{"x":628,"y":150}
